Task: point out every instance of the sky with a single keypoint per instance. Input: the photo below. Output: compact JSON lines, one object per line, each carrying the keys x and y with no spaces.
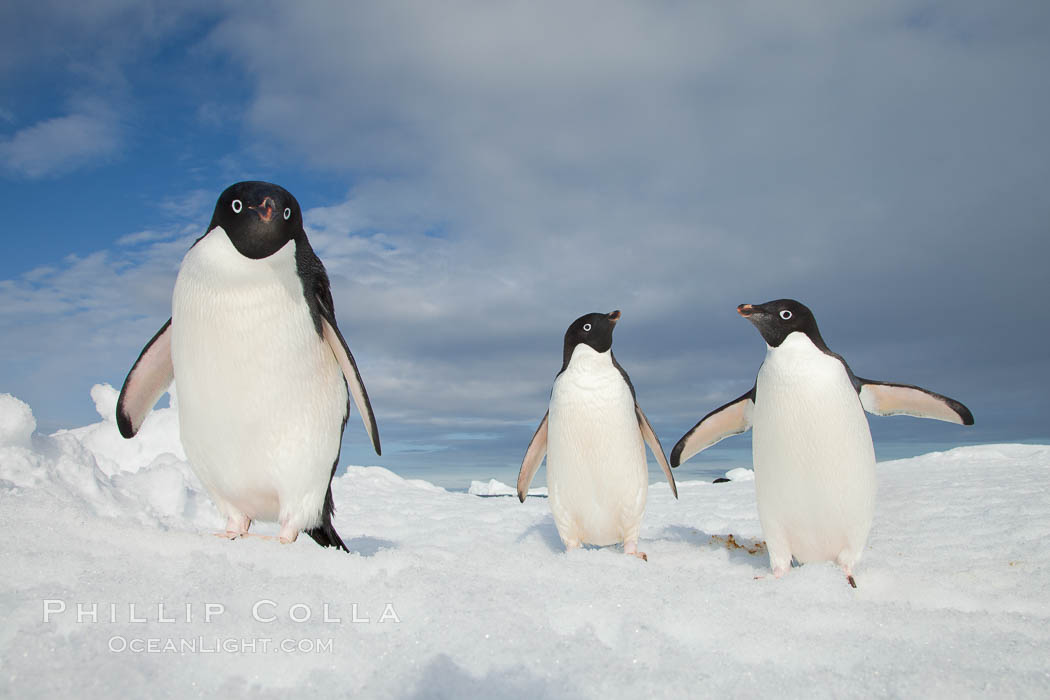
{"x":476,"y":175}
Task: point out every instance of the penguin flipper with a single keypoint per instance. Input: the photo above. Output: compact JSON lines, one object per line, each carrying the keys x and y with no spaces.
{"x":317,"y":290}
{"x":533,"y":458}
{"x":888,"y":399}
{"x":654,"y":444}
{"x":731,"y":419}
{"x":149,"y":378}
{"x":342,"y":353}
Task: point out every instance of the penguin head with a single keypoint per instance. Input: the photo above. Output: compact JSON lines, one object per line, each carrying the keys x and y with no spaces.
{"x":259,"y":218}
{"x":776,"y":320}
{"x":594,"y":330}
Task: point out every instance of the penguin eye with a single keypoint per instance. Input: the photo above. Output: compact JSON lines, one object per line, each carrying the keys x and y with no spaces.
{"x":586,"y":327}
{"x":237,"y":206}
{"x":785,"y":314}
{"x":287,"y":213}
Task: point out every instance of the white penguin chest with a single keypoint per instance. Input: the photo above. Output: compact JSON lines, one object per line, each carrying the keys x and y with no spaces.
{"x":592,"y":413}
{"x":806,"y":409}
{"x":243,"y":325}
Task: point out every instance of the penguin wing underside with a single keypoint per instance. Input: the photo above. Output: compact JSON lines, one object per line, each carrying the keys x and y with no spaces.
{"x":149,"y":378}
{"x":887,"y":399}
{"x":731,"y":419}
{"x":533,"y":458}
{"x":654,"y":444}
{"x":342,"y":353}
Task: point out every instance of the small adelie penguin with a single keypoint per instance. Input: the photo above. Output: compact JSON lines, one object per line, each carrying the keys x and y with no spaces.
{"x":262,"y":370}
{"x":592,"y":436}
{"x":813,"y":457}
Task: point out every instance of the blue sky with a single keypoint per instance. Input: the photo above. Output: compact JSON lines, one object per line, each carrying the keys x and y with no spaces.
{"x":476,"y":176}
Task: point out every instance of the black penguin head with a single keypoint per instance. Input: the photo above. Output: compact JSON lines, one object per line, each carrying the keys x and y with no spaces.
{"x":776,"y":320}
{"x":594,"y":330}
{"x":259,"y":218}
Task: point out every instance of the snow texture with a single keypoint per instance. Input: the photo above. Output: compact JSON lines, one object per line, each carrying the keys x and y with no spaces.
{"x":475,"y":597}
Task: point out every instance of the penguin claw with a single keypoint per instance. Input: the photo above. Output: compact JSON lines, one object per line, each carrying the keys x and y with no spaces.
{"x":849,"y":578}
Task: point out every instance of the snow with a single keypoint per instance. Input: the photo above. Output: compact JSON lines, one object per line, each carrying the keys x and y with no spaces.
{"x":16,"y":422}
{"x":740,"y":474}
{"x":493,"y":487}
{"x":467,"y":596}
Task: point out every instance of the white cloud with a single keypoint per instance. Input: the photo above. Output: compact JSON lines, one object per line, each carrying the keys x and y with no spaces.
{"x":61,"y":144}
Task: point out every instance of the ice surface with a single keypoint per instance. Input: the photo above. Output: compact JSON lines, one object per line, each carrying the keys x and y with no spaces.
{"x":953,"y":597}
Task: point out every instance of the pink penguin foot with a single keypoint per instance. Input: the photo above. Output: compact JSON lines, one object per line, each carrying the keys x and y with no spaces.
{"x":632,"y":549}
{"x":288,"y":534}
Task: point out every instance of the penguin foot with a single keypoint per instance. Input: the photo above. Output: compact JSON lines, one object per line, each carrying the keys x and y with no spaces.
{"x":288,"y":534}
{"x":632,"y":548}
{"x":779,"y":571}
{"x":235,"y":527}
{"x":849,"y":579}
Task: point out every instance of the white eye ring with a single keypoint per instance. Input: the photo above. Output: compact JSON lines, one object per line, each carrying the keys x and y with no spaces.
{"x":287,"y":213}
{"x":785,"y":314}
{"x":586,"y":326}
{"x":237,"y":206}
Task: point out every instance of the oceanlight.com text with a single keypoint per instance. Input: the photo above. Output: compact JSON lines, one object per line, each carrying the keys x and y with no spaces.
{"x":119,"y":644}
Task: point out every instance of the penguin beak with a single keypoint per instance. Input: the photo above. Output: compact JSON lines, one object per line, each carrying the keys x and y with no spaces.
{"x":745,"y":310}
{"x":614,"y":316}
{"x":266,"y":209}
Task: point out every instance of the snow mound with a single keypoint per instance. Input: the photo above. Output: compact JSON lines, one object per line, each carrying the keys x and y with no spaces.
{"x":492,"y":487}
{"x":93,"y":469}
{"x":159,"y":434}
{"x":16,"y":422}
{"x":740,"y":474}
